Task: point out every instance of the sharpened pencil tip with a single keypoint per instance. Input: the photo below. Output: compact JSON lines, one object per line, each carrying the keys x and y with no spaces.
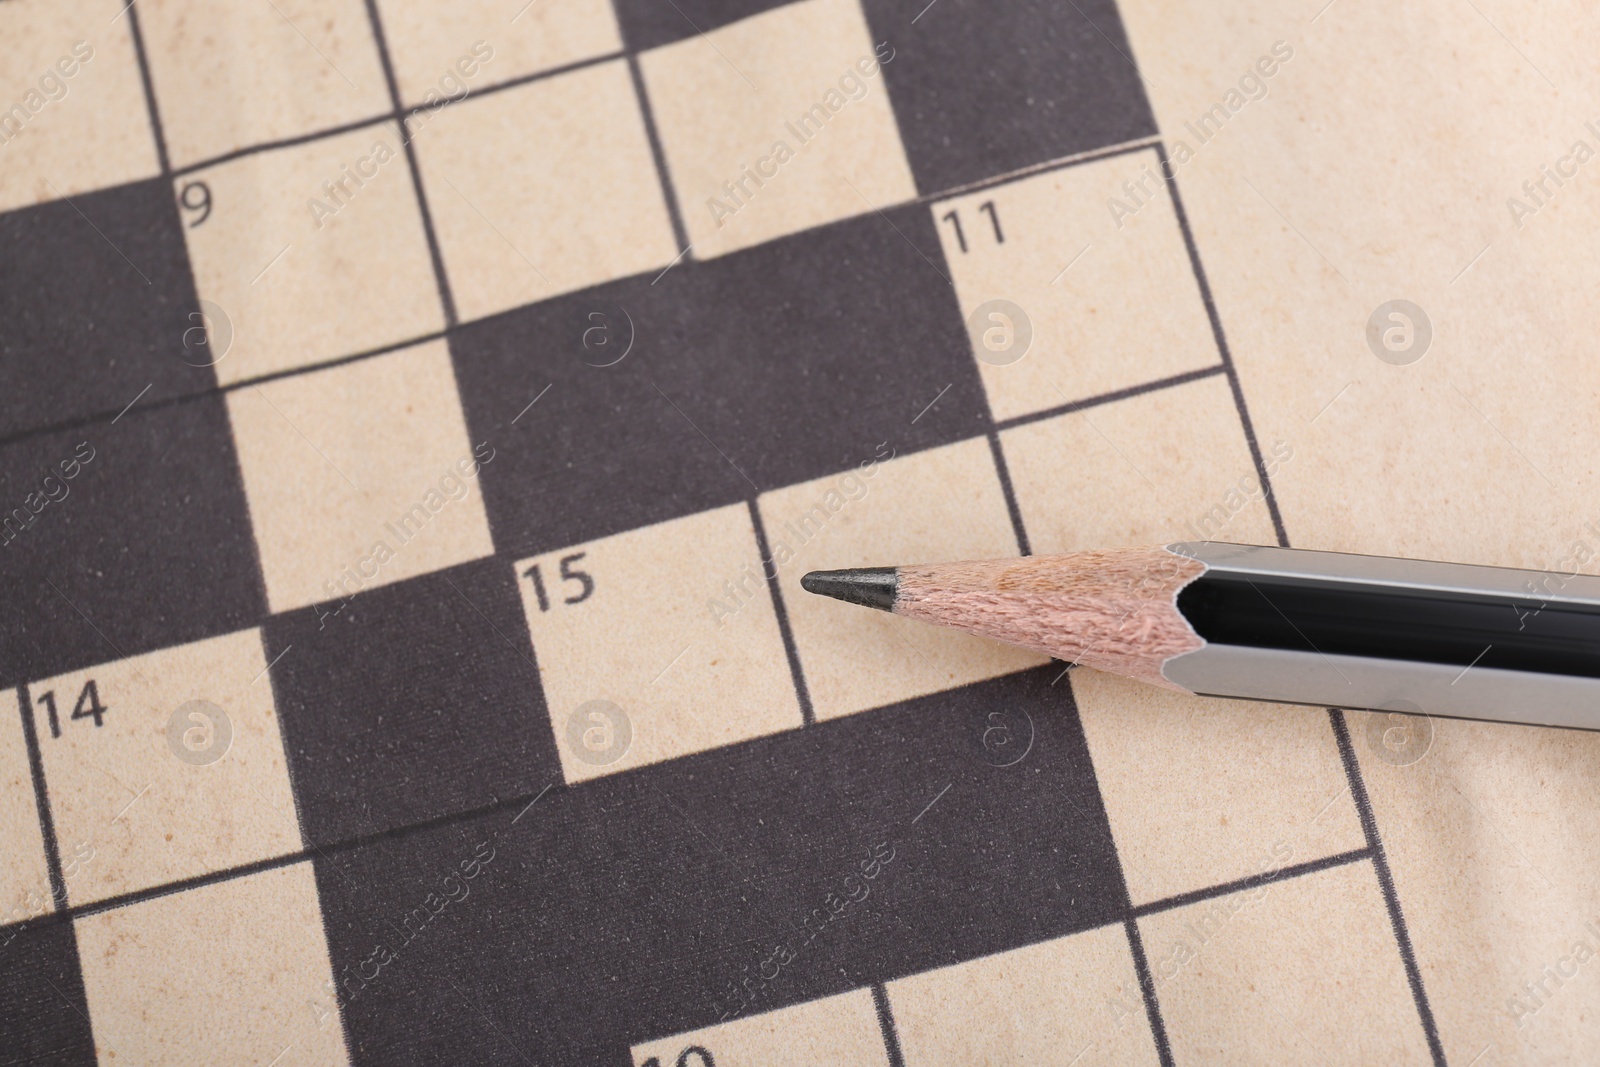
{"x":871,"y":587}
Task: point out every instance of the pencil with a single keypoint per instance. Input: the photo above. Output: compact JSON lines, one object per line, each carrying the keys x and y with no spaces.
{"x":1277,"y":624}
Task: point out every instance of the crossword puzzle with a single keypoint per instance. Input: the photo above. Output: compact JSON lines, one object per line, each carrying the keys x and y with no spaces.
{"x":417,"y":420}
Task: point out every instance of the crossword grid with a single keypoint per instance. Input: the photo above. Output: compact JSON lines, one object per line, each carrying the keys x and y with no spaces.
{"x":1129,"y":914}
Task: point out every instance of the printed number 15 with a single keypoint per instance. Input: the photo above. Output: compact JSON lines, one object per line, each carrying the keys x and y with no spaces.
{"x":569,"y":573}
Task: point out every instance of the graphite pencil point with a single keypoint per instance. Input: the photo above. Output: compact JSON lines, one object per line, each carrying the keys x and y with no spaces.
{"x":871,"y":587}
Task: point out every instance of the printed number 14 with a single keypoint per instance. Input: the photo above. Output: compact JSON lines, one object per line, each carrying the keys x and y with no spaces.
{"x":87,"y":707}
{"x":569,"y":573}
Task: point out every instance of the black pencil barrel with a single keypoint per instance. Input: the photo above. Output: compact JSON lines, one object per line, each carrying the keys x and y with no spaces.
{"x":1395,"y":623}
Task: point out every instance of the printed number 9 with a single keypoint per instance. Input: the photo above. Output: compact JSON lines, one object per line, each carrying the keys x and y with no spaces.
{"x":196,"y":196}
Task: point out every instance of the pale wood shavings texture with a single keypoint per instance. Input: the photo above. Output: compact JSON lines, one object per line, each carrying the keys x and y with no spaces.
{"x":1114,"y":611}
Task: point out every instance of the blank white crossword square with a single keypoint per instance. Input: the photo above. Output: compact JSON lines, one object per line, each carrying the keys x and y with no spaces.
{"x":1168,"y":465}
{"x":240,"y":965}
{"x":25,"y":890}
{"x":231,"y":76}
{"x":1203,"y":792}
{"x":657,"y":642}
{"x":1258,"y":976}
{"x":1102,"y":301}
{"x":360,"y":475}
{"x":72,"y":110}
{"x":165,"y":766}
{"x":939,"y":505}
{"x":1039,"y":1004}
{"x":310,"y":252}
{"x":777,"y":123}
{"x":443,"y":50}
{"x":531,"y":196}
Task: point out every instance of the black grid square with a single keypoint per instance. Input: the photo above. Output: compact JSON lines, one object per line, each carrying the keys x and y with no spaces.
{"x":652,"y":23}
{"x":644,"y":896}
{"x":44,"y":1013}
{"x":410,"y":702}
{"x":147,"y":544}
{"x":96,"y":303}
{"x":762,"y":368}
{"x":983,"y":89}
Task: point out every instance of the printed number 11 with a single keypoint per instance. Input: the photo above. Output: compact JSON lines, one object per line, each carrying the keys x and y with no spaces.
{"x":954,"y":219}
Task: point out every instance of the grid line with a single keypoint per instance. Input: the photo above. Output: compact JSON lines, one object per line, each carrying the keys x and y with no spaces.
{"x":1374,"y":849}
{"x":680,"y":232}
{"x":1147,"y":989}
{"x":285,"y":142}
{"x":1391,"y":899}
{"x":41,"y":798}
{"x":400,"y":115}
{"x":891,"y":1036}
{"x":334,"y":361}
{"x":148,"y":84}
{"x":1013,"y":509}
{"x":446,"y":300}
{"x":311,"y":851}
{"x":1221,"y":339}
{"x":791,"y":650}
{"x":1352,"y":769}
{"x":1112,"y":397}
{"x":1254,"y":881}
